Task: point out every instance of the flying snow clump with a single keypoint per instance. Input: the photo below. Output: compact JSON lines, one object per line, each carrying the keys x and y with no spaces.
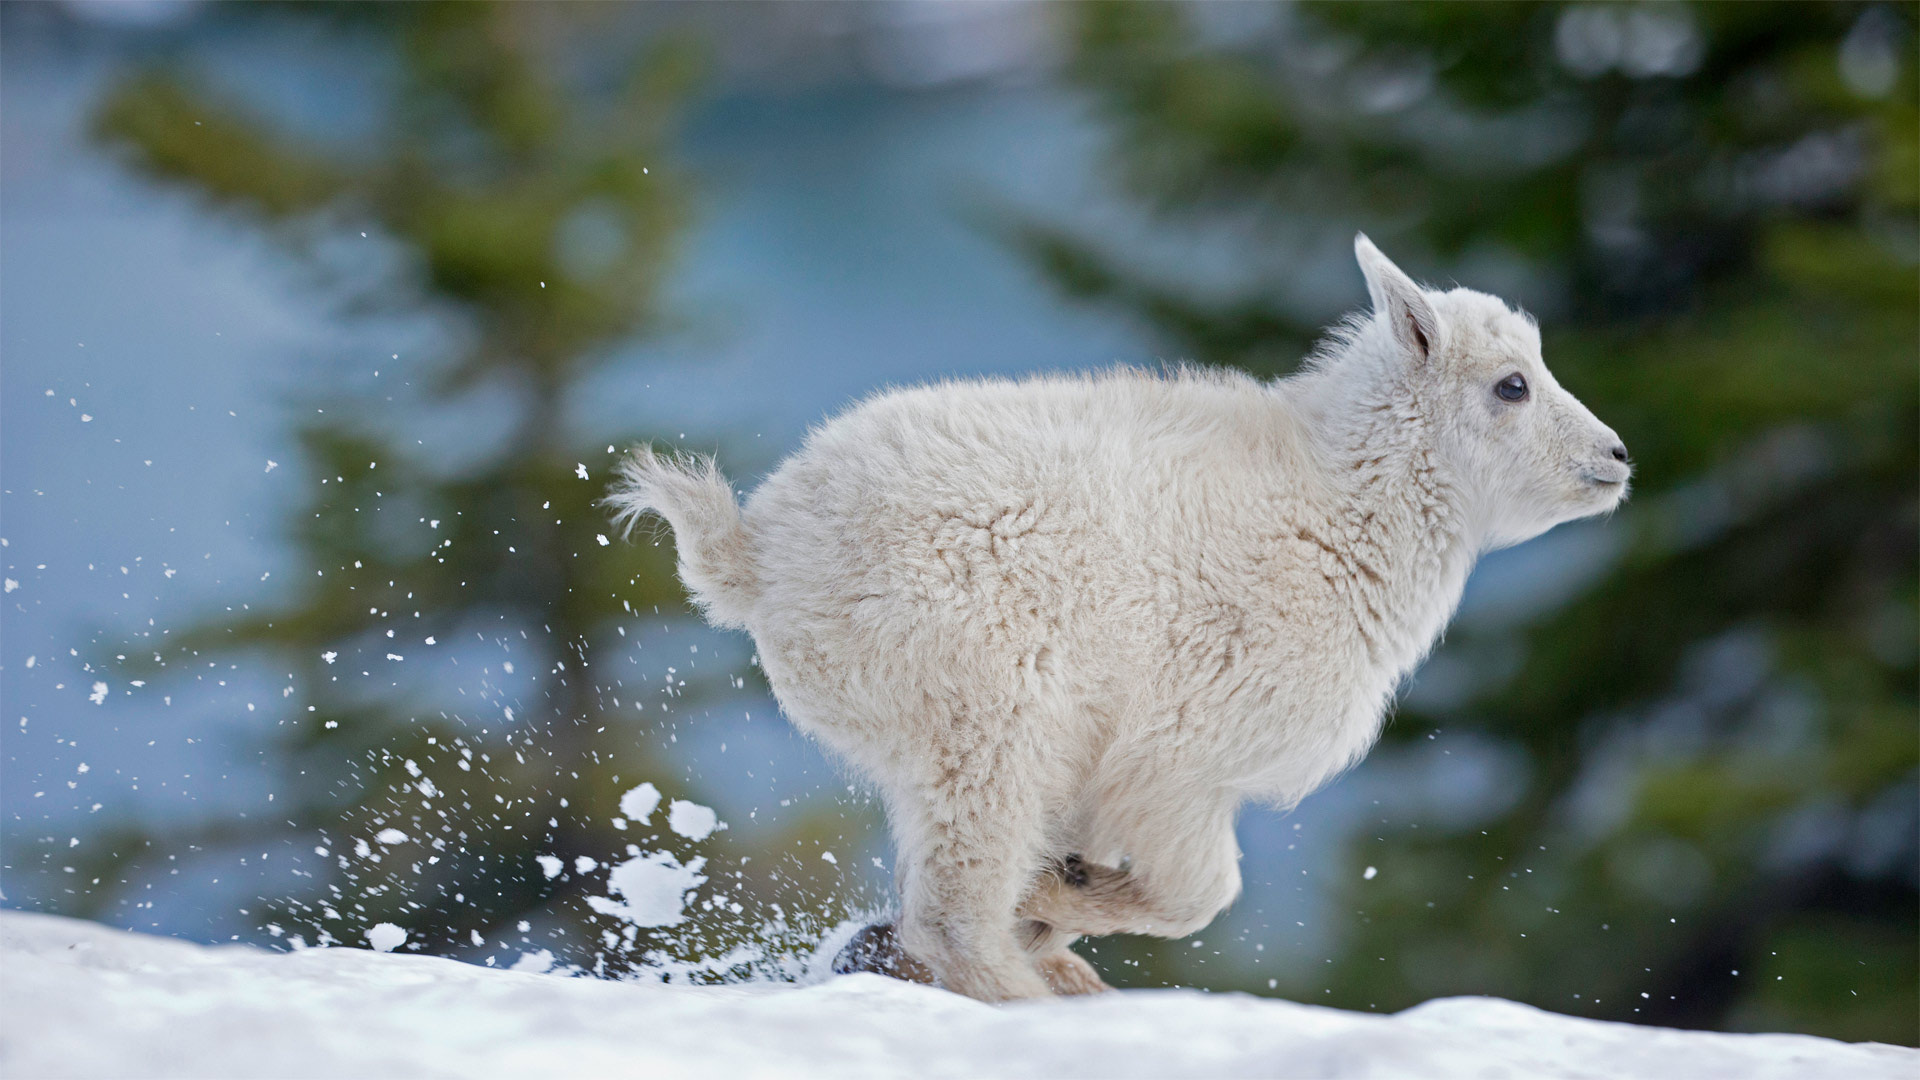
{"x":638,"y":804}
{"x":691,"y":820}
{"x":386,"y":937}
{"x":653,"y":888}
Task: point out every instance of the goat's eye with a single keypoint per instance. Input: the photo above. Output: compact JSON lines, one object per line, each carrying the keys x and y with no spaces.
{"x":1512,"y":388}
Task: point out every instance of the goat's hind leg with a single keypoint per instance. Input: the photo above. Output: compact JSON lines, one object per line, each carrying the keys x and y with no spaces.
{"x":876,"y":949}
{"x":968,"y":846}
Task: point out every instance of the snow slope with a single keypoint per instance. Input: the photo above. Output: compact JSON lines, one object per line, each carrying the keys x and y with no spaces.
{"x":79,"y":999}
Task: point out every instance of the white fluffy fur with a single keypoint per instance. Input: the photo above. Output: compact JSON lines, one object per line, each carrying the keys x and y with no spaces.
{"x":1091,"y":616}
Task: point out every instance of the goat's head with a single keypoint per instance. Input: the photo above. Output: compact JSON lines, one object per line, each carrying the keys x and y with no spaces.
{"x":1528,"y":453}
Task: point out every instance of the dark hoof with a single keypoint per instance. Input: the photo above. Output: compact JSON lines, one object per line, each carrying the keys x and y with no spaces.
{"x":876,"y":950}
{"x":1081,"y":874}
{"x":1073,"y":871}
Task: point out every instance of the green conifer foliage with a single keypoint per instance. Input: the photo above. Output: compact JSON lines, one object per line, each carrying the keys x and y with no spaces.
{"x":537,"y":222}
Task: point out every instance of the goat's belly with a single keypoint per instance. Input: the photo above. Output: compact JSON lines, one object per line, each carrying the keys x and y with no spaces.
{"x":1297,"y":755}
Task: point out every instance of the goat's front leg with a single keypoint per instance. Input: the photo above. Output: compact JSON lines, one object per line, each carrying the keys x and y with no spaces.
{"x":1069,"y":973}
{"x":1180,"y":870}
{"x":1066,"y":971}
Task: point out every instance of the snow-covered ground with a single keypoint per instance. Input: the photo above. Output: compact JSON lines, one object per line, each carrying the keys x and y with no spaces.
{"x":79,"y":999}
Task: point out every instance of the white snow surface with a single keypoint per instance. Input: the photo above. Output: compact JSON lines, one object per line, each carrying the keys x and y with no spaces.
{"x":80,"y":999}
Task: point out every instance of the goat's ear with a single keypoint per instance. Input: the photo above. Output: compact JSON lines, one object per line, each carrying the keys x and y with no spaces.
{"x":1399,"y":301}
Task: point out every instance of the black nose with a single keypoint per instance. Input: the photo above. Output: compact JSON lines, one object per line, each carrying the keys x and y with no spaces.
{"x":1619,"y":452}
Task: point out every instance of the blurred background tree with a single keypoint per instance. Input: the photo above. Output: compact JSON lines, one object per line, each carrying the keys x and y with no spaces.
{"x":1712,"y":207}
{"x":537,"y":220}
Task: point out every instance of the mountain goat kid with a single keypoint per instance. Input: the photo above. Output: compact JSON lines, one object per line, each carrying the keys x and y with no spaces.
{"x":1067,"y":625}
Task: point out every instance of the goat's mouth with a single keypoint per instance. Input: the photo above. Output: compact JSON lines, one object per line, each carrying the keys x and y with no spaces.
{"x":1605,"y":478}
{"x":1605,"y":487}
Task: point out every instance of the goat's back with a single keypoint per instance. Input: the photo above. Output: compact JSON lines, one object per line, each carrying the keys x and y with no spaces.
{"x":996,"y":541}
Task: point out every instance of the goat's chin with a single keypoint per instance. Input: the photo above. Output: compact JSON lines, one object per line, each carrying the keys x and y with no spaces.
{"x":1603,"y":496}
{"x":1589,"y":500}
{"x":1511,"y":534}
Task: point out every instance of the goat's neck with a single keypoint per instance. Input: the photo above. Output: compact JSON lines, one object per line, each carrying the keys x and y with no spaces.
{"x":1400,"y":524}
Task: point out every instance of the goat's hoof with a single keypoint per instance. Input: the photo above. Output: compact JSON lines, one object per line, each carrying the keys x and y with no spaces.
{"x":877,"y":949}
{"x":1079,"y":873}
{"x":1073,"y":871}
{"x":1067,"y":972}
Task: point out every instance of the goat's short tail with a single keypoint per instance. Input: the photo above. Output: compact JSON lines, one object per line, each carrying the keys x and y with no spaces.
{"x":716,"y":558}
